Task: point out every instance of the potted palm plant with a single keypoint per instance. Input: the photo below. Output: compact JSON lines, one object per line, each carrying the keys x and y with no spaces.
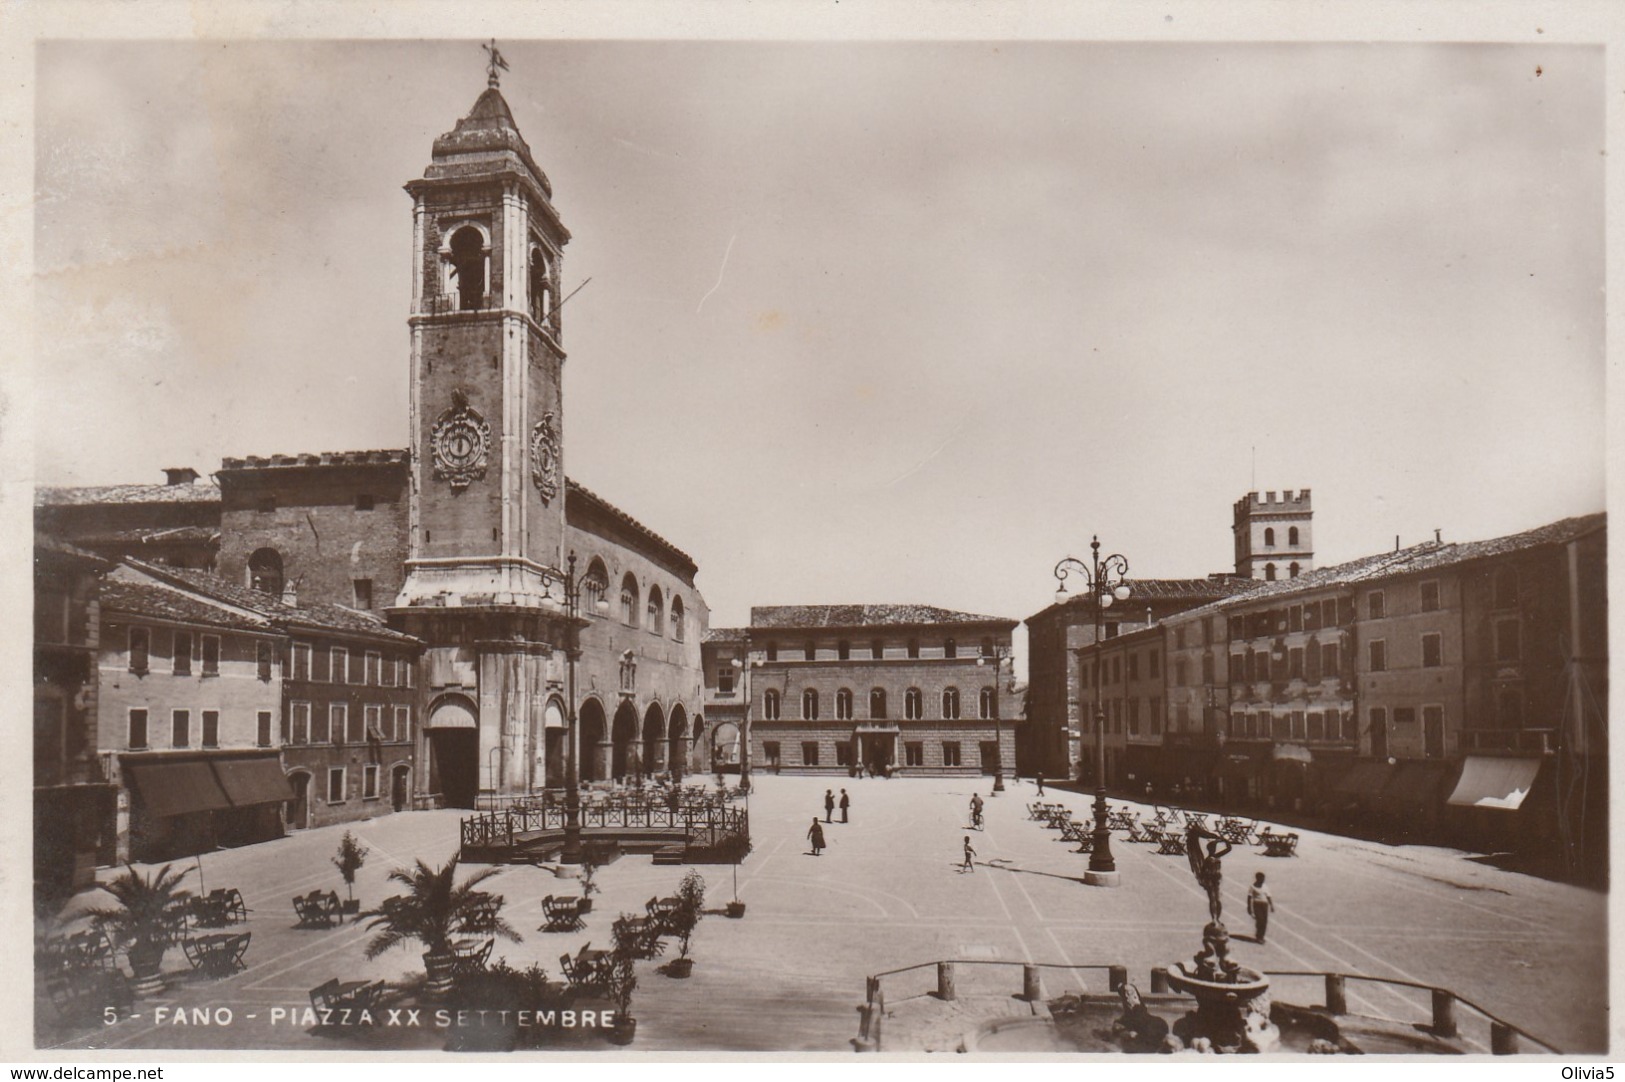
{"x":684,"y":919}
{"x":142,"y":921}
{"x":434,"y":906}
{"x":349,"y":859}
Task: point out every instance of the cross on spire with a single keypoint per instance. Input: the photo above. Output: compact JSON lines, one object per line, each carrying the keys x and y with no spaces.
{"x":496,"y":62}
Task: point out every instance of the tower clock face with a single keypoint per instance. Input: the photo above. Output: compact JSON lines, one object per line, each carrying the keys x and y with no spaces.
{"x":461,"y":443}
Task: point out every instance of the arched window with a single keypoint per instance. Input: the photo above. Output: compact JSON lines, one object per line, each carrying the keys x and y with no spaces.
{"x":629,"y":600}
{"x":594,"y":587}
{"x":985,"y":704}
{"x":541,"y":286}
{"x":950,"y":648}
{"x":1269,"y":537}
{"x":676,"y":617}
{"x":950,"y":703}
{"x":1292,"y":536}
{"x":877,"y":703}
{"x":913,"y":704}
{"x":809,"y":704}
{"x":1292,"y":569}
{"x":1269,"y":572}
{"x":770,"y":705}
{"x":843,"y":704}
{"x":657,"y":612}
{"x":265,"y":571}
{"x":468,"y":267}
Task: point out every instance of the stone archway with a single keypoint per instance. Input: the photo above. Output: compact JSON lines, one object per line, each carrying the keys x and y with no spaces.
{"x":653,"y":752}
{"x":623,"y":737}
{"x":454,"y":750}
{"x":677,"y":742}
{"x":594,"y":764}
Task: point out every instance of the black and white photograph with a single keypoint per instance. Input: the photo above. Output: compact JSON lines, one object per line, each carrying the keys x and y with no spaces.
{"x":803,"y":539}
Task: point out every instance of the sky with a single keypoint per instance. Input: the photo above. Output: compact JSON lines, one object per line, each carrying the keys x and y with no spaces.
{"x":872,"y":322}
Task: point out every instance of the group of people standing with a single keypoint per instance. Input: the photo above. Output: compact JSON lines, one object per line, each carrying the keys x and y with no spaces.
{"x":815,"y":833}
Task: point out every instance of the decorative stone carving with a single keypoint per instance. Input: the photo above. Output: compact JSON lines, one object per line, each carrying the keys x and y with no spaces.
{"x":544,"y":457}
{"x":461,"y":443}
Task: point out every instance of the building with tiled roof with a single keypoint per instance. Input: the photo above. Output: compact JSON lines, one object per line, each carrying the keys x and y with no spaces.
{"x":176,"y":523}
{"x":1454,"y":691}
{"x":913,"y":689}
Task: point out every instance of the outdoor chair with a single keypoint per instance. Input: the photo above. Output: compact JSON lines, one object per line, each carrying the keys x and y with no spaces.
{"x":482,"y":915}
{"x":1171,"y":843}
{"x":470,"y":957}
{"x":217,"y":954}
{"x":336,"y":995}
{"x":1136,"y":833}
{"x":318,"y":909}
{"x":640,"y":935}
{"x":1279,"y":845}
{"x":561,"y":914}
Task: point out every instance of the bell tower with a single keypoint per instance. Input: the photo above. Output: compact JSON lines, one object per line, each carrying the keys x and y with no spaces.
{"x":487,"y":409}
{"x":483,"y":583}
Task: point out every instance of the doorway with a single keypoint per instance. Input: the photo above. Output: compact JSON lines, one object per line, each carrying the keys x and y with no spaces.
{"x":454,"y":765}
{"x":299,"y":806}
{"x":875,"y":750}
{"x":400,"y":787}
{"x":1433,"y":732}
{"x":990,"y":756}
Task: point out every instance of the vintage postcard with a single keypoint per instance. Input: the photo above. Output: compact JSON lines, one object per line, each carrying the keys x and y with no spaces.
{"x":574,"y":535}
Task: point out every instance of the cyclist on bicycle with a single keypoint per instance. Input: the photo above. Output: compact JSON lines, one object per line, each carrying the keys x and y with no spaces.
{"x":976,"y":810}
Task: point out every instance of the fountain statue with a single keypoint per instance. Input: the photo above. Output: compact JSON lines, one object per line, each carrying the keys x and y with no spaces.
{"x":1232,"y":1002}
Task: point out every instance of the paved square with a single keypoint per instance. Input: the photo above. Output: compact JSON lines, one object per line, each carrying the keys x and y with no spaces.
{"x":888,"y":893}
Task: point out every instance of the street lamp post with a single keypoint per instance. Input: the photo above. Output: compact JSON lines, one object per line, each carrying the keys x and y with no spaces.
{"x":1107,"y":581}
{"x":743,"y":665}
{"x":571,"y":603}
{"x":999,"y":659}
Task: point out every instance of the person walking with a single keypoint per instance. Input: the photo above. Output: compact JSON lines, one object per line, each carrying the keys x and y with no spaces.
{"x":815,"y":834}
{"x":1039,"y":778}
{"x":846,"y":803}
{"x":829,"y":806}
{"x":970,"y":857}
{"x":1260,"y":905}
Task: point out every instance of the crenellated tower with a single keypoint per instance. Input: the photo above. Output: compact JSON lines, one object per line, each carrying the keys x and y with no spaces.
{"x":1273,"y":536}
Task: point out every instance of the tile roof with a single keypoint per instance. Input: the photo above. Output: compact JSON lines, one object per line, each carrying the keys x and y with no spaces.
{"x":810,"y":616}
{"x":385,"y":457}
{"x":315,"y":616}
{"x":170,"y":535}
{"x":578,"y":489}
{"x":165,"y":602}
{"x":1428,"y":556}
{"x":725,"y":634}
{"x":86,"y":495}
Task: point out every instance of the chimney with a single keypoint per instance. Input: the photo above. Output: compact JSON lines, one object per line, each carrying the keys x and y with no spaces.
{"x":1396,"y":542}
{"x":290,"y":595}
{"x":180,"y":475}
{"x":1437,"y":539}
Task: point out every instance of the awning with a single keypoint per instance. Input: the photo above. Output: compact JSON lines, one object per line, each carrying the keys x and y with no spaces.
{"x":1363,"y":779}
{"x":1236,"y":766}
{"x":1494,"y":782}
{"x":177,"y":788}
{"x":253,"y":781}
{"x":1414,"y":783}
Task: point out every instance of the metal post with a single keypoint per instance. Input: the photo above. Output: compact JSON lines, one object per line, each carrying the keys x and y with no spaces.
{"x":1444,"y":1013}
{"x":945,"y":981}
{"x":1159,"y":978}
{"x":1503,"y":1039}
{"x":572,"y":747}
{"x":744,"y":734}
{"x":1336,"y":1000}
{"x":1116,"y":977}
{"x":1029,"y":984}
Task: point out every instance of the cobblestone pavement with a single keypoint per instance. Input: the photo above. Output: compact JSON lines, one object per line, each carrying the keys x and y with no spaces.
{"x":888,"y":893}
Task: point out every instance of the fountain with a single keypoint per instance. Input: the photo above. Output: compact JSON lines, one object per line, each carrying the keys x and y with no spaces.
{"x":1232,"y":1002}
